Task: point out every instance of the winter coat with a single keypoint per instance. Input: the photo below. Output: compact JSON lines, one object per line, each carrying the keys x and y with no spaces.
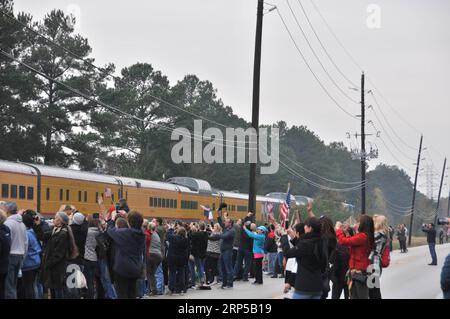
{"x":199,"y":243}
{"x":162,"y":236}
{"x":129,"y":247}
{"x":270,"y":244}
{"x":401,"y":234}
{"x":340,"y":265}
{"x":178,"y":252}
{"x":226,"y":239}
{"x":311,"y":260}
{"x":213,"y":248}
{"x":258,"y":241}
{"x":90,"y":248}
{"x":19,"y":238}
{"x":445,"y":278}
{"x":237,"y":235}
{"x":431,"y":235}
{"x":54,"y":258}
{"x":5,"y":245}
{"x":359,"y":249}
{"x":152,"y":244}
{"x":80,"y":234}
{"x":33,"y":258}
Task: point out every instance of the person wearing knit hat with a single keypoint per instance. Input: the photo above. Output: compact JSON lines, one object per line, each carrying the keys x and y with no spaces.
{"x":78,"y":218}
{"x":64,"y":218}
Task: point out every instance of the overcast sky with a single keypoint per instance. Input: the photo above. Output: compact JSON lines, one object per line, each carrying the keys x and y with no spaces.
{"x":407,"y":58}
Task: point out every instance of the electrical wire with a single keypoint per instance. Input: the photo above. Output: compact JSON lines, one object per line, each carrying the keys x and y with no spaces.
{"x":311,"y":70}
{"x":317,"y":57}
{"x":324,"y":48}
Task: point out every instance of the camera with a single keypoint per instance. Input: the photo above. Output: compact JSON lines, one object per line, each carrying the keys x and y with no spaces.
{"x":442,"y":221}
{"x":95,"y":216}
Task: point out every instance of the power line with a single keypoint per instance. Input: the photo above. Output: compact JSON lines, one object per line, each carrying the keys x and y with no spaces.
{"x":324,"y":49}
{"x":387,"y":122}
{"x":310,"y":69}
{"x":390,"y":138}
{"x":317,"y":57}
{"x":115,"y":109}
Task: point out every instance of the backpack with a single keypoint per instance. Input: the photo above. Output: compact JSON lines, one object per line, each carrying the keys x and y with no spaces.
{"x":386,"y":257}
{"x":103,"y":245}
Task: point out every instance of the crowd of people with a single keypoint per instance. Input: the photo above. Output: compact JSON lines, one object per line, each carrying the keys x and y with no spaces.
{"x":119,"y":254}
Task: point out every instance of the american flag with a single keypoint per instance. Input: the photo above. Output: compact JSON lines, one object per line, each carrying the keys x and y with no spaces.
{"x":284,"y":208}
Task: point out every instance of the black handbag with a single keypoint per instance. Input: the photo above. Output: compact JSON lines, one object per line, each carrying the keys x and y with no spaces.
{"x":359,"y":277}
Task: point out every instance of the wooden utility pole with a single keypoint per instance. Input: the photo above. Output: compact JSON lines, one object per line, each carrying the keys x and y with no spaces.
{"x":363,"y":148}
{"x":414,"y":192}
{"x":440,"y":189}
{"x":255,"y":105}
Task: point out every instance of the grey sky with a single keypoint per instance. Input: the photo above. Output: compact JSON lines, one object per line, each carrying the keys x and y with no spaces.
{"x":407,"y":59}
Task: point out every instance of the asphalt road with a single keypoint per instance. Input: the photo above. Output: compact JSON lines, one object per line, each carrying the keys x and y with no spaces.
{"x":407,"y":277}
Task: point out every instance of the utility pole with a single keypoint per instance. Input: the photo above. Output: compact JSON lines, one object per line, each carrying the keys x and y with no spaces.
{"x":448,"y":204}
{"x":363,"y":148}
{"x":414,"y":192}
{"x":440,"y":189}
{"x":255,"y":104}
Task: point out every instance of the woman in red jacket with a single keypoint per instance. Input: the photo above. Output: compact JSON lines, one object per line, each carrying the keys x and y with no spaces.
{"x":360,"y":246}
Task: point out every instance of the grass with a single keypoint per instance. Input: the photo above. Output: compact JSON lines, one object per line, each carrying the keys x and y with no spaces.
{"x":415,"y":241}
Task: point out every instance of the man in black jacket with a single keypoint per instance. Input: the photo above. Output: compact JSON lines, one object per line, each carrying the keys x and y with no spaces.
{"x":244,"y":254}
{"x":431,"y":240}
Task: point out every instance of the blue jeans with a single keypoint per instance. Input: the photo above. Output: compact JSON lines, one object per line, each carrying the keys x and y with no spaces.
{"x":279,"y":261}
{"x":90,"y":271}
{"x":191,"y":265}
{"x":159,"y":275}
{"x":105,"y":278}
{"x":245,"y":256}
{"x":15,"y":262}
{"x":271,"y":257}
{"x":433,"y":253}
{"x":57,"y":293}
{"x":226,"y":264}
{"x":301,"y":295}
{"x":200,"y":267}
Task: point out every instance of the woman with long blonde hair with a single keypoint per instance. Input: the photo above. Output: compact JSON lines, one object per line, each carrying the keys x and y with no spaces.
{"x":382,"y":239}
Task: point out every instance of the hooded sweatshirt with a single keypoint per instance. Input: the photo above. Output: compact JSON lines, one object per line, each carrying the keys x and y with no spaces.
{"x":19,"y":238}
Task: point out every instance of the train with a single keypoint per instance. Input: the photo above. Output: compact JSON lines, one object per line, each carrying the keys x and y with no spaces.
{"x":45,"y":188}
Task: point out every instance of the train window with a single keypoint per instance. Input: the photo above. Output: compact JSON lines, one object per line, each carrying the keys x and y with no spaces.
{"x":13,"y":191}
{"x":85,"y":197}
{"x":67,"y":195}
{"x":96,"y":196}
{"x":175,"y":203}
{"x":126,"y":195}
{"x":241,"y":208}
{"x":60,"y":194}
{"x":150,"y":201}
{"x":119,"y":194}
{"x":112,"y":197}
{"x":79,"y":196}
{"x":22,"y":191}
{"x":30,"y":193}
{"x":171,"y":203}
{"x":214,"y":206}
{"x":159,"y":202}
{"x":5,"y":190}
{"x":47,"y":194}
{"x":163,"y":200}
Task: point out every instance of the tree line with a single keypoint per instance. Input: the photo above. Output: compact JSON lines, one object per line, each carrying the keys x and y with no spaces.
{"x":43,"y":122}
